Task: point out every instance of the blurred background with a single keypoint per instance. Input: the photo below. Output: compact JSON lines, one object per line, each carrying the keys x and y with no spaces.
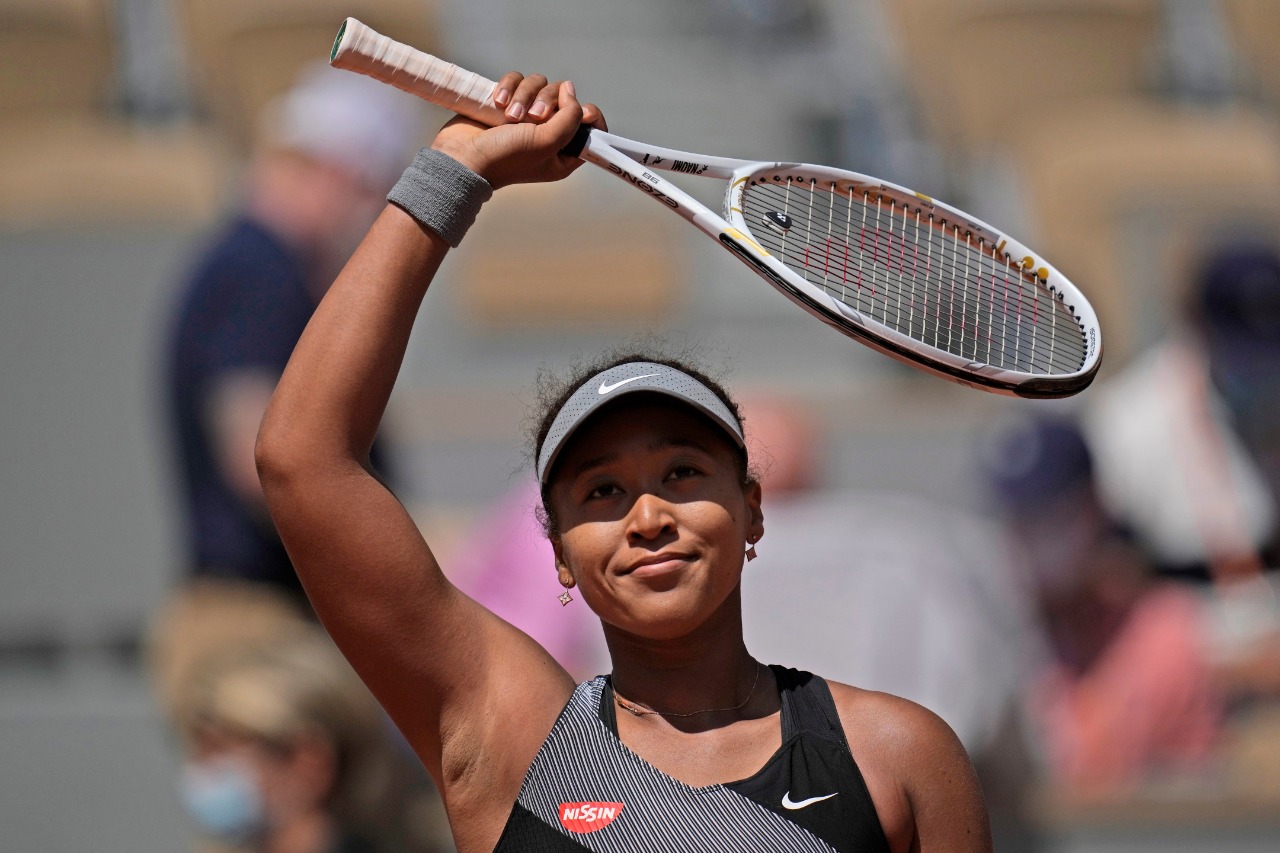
{"x":1084,"y":589}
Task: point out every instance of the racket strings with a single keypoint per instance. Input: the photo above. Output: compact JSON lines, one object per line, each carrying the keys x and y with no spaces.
{"x":919,"y":275}
{"x":885,"y":244}
{"x":969,"y":277}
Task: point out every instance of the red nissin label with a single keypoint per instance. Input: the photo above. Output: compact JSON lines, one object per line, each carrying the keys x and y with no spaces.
{"x":588,"y":817}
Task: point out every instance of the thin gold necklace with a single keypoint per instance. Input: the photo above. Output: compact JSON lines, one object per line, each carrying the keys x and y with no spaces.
{"x":644,"y":712}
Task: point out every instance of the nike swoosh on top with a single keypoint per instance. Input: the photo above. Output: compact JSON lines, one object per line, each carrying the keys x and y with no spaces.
{"x":606,"y":388}
{"x":788,"y":803}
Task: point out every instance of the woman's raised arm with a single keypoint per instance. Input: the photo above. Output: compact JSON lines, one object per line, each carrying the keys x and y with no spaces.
{"x":441,"y":665}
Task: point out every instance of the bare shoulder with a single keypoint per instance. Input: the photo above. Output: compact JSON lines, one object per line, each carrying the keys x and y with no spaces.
{"x":898,"y":727}
{"x":921,"y":780}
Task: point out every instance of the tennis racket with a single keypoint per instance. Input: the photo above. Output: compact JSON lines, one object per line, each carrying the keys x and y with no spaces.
{"x":903,"y":273}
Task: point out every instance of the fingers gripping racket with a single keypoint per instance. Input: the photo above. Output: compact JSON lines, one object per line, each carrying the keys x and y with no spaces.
{"x":903,"y":273}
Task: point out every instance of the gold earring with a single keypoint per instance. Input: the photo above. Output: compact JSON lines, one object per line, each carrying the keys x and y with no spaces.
{"x":565,"y":598}
{"x":751,"y":550}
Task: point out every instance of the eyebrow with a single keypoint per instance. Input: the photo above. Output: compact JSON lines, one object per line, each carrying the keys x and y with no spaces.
{"x":661,"y":444}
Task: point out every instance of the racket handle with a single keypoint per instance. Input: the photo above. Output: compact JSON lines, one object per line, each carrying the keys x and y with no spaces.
{"x":579,"y":141}
{"x":361,"y":49}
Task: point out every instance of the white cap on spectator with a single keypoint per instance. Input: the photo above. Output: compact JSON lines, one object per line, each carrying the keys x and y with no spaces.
{"x":352,"y":121}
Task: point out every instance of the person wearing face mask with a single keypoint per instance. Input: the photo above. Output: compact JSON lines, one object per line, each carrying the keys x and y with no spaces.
{"x":284,"y":751}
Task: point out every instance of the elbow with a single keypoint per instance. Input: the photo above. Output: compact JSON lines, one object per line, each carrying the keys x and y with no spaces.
{"x":277,"y":459}
{"x":289,"y":456}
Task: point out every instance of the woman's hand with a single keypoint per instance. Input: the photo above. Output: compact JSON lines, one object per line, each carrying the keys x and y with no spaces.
{"x":542,"y":116}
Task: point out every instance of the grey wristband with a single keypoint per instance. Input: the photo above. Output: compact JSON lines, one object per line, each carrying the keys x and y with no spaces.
{"x":441,"y":193}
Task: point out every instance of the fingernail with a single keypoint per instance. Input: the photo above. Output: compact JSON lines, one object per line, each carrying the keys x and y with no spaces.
{"x":516,"y":111}
{"x":568,"y":84}
{"x":502,"y":97}
{"x":538,"y":110}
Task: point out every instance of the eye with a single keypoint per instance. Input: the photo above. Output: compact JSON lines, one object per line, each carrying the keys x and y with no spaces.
{"x":683,"y":472}
{"x":604,"y":491}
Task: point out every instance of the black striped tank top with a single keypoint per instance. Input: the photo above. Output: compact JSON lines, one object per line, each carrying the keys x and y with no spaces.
{"x":587,"y":791}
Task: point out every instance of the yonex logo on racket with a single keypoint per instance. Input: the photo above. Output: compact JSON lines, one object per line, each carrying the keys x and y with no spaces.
{"x":606,"y":387}
{"x":777,"y":219}
{"x":589,"y":816}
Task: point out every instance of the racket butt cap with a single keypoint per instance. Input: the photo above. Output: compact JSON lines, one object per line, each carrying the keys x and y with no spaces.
{"x":337,"y":40}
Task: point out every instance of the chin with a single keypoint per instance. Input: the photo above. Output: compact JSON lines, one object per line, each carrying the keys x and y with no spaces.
{"x":665,"y":616}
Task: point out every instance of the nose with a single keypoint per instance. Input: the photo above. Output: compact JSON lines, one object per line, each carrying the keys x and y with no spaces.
{"x":650,"y":518}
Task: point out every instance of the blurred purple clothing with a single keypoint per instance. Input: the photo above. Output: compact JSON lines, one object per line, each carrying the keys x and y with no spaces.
{"x":506,"y":564}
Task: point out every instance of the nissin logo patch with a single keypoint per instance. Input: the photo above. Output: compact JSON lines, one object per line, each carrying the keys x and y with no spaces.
{"x":588,"y":817}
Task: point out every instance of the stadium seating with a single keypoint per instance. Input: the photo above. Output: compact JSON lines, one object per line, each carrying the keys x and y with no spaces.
{"x":69,"y":155}
{"x":242,"y":53}
{"x":1255,"y":31}
{"x":581,"y":268}
{"x":984,"y":72}
{"x":57,"y":55}
{"x":1124,"y":196}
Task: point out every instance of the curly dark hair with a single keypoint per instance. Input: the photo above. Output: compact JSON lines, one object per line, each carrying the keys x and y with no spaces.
{"x":553,"y":391}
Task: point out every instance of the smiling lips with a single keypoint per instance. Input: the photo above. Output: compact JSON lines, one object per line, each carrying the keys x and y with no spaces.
{"x":657,"y":564}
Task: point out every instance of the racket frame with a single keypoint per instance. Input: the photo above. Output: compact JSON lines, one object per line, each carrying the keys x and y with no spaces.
{"x":359,"y":48}
{"x":637,"y":164}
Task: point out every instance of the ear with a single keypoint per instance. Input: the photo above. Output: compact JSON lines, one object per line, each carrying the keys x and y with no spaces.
{"x":562,"y":568}
{"x":755,"y":524}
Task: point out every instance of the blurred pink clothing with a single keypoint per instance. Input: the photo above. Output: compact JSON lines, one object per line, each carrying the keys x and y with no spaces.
{"x":1148,"y":704}
{"x":506,"y":564}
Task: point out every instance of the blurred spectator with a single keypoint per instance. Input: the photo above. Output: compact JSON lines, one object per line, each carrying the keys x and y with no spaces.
{"x":891,"y":592}
{"x":1187,"y":438}
{"x":911,"y":597}
{"x":210,"y":617}
{"x":508,"y":566}
{"x":330,"y":150}
{"x":1187,"y":445}
{"x":1127,"y":690}
{"x":284,"y":749}
{"x":1235,"y":314}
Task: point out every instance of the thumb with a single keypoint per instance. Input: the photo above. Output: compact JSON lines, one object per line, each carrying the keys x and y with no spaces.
{"x":558,"y":130}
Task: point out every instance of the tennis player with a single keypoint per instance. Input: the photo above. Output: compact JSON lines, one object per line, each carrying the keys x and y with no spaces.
{"x":690,"y":744}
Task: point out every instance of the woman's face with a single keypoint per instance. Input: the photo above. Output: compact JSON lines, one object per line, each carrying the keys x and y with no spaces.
{"x":653,"y":516}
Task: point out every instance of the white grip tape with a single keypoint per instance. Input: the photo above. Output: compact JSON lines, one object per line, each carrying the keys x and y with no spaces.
{"x":365,"y":51}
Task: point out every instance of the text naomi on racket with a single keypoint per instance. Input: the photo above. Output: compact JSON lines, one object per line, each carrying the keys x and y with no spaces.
{"x":688,"y":168}
{"x":676,"y":165}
